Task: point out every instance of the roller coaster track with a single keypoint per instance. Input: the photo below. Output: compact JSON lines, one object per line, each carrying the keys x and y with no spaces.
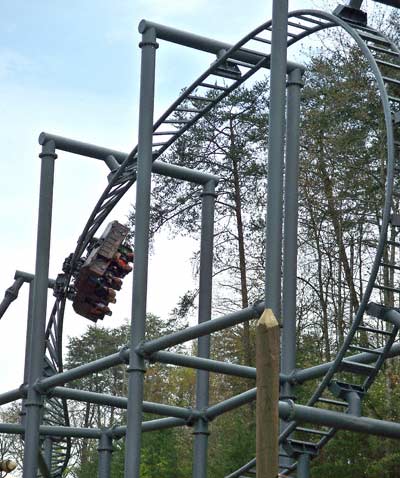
{"x":216,"y":83}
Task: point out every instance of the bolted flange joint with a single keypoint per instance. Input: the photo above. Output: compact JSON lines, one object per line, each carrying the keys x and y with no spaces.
{"x":201,"y":424}
{"x":149,"y":43}
{"x":124,"y":354}
{"x":193,"y":417}
{"x":292,"y":414}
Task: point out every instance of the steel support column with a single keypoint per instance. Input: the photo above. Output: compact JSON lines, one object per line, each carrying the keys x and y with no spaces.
{"x":33,"y":403}
{"x":27,"y":346}
{"x":288,"y":354}
{"x":48,"y":451}
{"x":105,"y":450}
{"x":205,"y":303}
{"x":276,"y":158}
{"x":136,"y":367}
{"x":303,"y":466}
{"x":288,"y":360}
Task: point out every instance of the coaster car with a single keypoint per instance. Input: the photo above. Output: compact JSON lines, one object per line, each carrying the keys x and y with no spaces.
{"x":102,"y":272}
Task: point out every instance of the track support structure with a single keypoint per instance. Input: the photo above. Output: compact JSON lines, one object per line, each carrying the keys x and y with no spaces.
{"x":275,"y":389}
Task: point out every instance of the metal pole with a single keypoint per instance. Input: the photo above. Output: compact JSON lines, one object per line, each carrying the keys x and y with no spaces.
{"x":354,"y":401}
{"x":228,"y":320}
{"x":290,"y":411}
{"x":152,"y":425}
{"x":276,"y":157}
{"x":33,"y":403}
{"x":48,"y":451}
{"x":27,"y":346}
{"x":231,"y":403}
{"x":136,"y":367}
{"x":303,"y":465}
{"x":54,"y":431}
{"x":204,"y":364}
{"x":122,"y":402}
{"x":27,"y":277}
{"x":11,"y":395}
{"x":288,"y":360}
{"x":209,"y":45}
{"x":205,"y":303}
{"x":82,"y":370}
{"x":10,"y":295}
{"x":288,"y":355}
{"x":101,"y":153}
{"x":105,"y":450}
{"x":28,"y":332}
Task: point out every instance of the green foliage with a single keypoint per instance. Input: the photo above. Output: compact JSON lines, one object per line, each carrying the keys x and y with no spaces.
{"x":232,"y":441}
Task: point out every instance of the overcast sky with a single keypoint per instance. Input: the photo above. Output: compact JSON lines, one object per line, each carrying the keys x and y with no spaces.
{"x":72,"y":68}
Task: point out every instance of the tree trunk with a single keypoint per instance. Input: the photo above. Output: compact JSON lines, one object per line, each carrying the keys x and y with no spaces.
{"x":248,"y":355}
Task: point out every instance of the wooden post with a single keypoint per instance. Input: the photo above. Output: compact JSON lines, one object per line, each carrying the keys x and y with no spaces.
{"x":267,"y":427}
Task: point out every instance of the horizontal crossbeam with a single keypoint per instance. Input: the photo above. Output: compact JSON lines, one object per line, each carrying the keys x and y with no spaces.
{"x":208,"y":45}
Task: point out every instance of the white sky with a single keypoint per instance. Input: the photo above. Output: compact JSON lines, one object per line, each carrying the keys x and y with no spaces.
{"x":72,"y":68}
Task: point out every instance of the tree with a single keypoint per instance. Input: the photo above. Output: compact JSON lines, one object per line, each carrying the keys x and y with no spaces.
{"x":162,"y":384}
{"x":11,"y":446}
{"x":342,"y":157}
{"x":230,"y":142}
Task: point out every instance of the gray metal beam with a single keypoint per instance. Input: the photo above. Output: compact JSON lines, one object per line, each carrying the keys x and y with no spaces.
{"x":208,"y":45}
{"x":291,"y":207}
{"x":122,"y":402}
{"x":287,"y":411}
{"x":200,"y":431}
{"x":105,"y":450}
{"x":28,"y":346}
{"x":162,"y":424}
{"x":28,"y":277}
{"x":56,"y":431}
{"x":231,"y":403}
{"x":204,"y":364}
{"x":81,"y":371}
{"x":98,"y":152}
{"x":11,"y":396}
{"x":173,"y":339}
{"x":136,"y":367}
{"x":339,"y":421}
{"x":48,"y":452}
{"x":10,"y":295}
{"x":276,"y":138}
{"x":33,"y":402}
{"x":303,"y":466}
{"x":199,"y":330}
{"x":153,"y":425}
{"x":288,"y":355}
